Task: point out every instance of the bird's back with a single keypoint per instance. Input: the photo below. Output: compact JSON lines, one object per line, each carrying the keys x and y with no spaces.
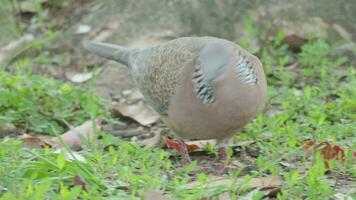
{"x":157,"y":70}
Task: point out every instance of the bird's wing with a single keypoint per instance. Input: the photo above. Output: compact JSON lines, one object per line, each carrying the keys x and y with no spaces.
{"x":157,"y":71}
{"x":212,"y":62}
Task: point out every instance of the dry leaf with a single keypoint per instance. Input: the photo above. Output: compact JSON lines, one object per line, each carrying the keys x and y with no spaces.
{"x":140,"y":112}
{"x":199,"y":145}
{"x":175,"y":145}
{"x":73,"y":138}
{"x":35,"y":141}
{"x":155,"y":195}
{"x":295,"y":42}
{"x":326,"y":150}
{"x":132,"y":95}
{"x":154,"y":141}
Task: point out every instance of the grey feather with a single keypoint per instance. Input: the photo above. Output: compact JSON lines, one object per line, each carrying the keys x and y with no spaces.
{"x":110,"y":51}
{"x":213,"y":60}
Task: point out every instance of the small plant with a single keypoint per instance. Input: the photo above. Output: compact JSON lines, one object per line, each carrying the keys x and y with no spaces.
{"x":36,"y":104}
{"x":315,"y":56}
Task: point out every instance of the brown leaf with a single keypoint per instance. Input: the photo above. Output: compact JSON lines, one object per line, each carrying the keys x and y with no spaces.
{"x":327,"y":150}
{"x":295,"y":42}
{"x":139,"y":112}
{"x":173,"y":144}
{"x":199,"y":145}
{"x":73,"y":138}
{"x":155,"y":195}
{"x":35,"y":141}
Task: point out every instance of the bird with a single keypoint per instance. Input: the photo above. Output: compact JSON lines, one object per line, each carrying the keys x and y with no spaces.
{"x":202,"y":87}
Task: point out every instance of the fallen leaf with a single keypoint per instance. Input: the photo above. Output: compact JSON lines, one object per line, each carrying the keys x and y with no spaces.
{"x":175,"y":145}
{"x":295,"y":42}
{"x":35,"y":141}
{"x":154,"y":141}
{"x":139,"y":112}
{"x":155,"y":195}
{"x":199,"y":145}
{"x":73,"y":138}
{"x":132,"y":95}
{"x":326,"y":150}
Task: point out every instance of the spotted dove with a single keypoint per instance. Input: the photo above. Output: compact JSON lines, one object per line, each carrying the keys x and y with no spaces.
{"x":203,"y":87}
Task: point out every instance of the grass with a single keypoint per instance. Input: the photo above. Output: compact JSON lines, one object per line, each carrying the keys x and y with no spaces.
{"x":40,"y":105}
{"x":314,"y":100}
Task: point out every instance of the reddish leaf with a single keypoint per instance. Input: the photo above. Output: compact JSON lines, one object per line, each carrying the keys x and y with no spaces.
{"x":326,"y":150}
{"x":295,"y":42}
{"x":175,"y":145}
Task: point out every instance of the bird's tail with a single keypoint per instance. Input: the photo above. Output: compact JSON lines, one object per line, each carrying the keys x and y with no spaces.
{"x":110,"y":51}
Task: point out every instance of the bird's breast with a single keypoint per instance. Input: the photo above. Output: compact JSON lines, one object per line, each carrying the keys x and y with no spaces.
{"x":236,"y":103}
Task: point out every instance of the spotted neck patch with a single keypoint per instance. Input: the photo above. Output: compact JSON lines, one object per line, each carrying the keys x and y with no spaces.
{"x":245,"y":70}
{"x":204,"y":91}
